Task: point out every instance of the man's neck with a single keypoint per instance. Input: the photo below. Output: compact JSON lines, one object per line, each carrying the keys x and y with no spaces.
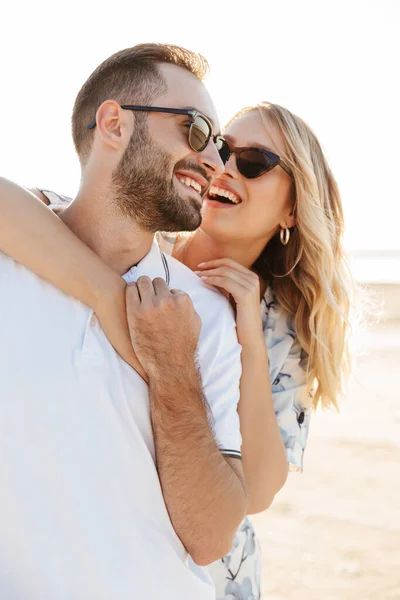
{"x":102,"y":227}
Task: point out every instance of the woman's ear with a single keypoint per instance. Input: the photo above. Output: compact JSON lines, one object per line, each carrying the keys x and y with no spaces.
{"x":290,"y":221}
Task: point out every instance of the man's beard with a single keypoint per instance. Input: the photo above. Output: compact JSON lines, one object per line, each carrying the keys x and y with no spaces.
{"x":144,"y":188}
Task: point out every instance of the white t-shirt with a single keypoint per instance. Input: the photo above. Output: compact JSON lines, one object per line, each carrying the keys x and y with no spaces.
{"x":82,"y":513}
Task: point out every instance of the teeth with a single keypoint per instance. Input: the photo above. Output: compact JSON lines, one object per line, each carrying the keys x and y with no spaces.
{"x":217,"y":191}
{"x":190,"y":183}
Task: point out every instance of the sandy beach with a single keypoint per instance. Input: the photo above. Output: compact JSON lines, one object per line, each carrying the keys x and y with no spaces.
{"x":333,"y":533}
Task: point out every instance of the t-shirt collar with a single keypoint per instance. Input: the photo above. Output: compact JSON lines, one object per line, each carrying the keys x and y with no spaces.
{"x":154,"y":264}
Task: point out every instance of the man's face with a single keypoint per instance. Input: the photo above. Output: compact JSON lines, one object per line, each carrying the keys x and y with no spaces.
{"x":157,"y":180}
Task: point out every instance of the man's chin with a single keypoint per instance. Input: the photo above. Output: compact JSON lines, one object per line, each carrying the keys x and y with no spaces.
{"x":196,"y":224}
{"x":189,"y":221}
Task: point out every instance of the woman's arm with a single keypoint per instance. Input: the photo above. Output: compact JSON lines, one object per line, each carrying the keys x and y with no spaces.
{"x":34,"y":236}
{"x":265,"y":463}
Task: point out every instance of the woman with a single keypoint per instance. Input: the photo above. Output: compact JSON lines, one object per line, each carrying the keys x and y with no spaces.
{"x":271,"y":232}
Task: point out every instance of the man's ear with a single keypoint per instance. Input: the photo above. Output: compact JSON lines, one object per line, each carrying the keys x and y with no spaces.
{"x":114,"y":125}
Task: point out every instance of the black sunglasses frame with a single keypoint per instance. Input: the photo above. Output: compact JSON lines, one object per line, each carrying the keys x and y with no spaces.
{"x":192,"y":114}
{"x":275,"y":160}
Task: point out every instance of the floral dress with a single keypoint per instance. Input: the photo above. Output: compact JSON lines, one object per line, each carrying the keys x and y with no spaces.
{"x":237,"y":576}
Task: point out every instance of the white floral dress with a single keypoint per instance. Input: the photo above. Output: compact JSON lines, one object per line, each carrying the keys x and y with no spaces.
{"x":237,"y":576}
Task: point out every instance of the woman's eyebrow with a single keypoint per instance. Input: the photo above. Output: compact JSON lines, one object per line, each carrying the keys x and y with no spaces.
{"x":230,"y":139}
{"x":262,"y":147}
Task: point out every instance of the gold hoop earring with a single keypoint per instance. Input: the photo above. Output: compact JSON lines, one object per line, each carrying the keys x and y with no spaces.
{"x":285,"y":236}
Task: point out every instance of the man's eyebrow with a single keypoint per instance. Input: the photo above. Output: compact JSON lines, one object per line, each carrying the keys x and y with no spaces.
{"x":197,"y":110}
{"x":201,"y":112}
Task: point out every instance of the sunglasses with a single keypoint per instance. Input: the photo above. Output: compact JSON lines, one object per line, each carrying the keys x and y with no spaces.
{"x":200,"y":130}
{"x":254,"y":162}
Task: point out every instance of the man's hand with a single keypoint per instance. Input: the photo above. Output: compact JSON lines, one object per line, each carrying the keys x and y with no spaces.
{"x":163,"y":325}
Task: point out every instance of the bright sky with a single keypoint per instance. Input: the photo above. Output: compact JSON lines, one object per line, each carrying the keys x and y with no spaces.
{"x":333,"y":62}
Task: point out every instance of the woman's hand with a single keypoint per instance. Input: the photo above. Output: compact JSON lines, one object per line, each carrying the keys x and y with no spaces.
{"x":110,"y":309}
{"x":243,"y":286}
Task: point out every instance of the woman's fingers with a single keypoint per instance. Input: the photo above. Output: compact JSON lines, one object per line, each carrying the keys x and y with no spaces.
{"x":229,"y":266}
{"x":234,"y":288}
{"x":224,"y":272}
{"x":246,"y":278}
{"x":221,"y":262}
{"x":241,"y":283}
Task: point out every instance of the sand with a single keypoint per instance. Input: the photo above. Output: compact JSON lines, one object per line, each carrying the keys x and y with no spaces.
{"x":333,"y":532}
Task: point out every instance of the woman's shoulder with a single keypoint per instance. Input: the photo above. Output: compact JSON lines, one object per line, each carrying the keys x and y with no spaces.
{"x":277,"y":322}
{"x":281,"y":337}
{"x":288,"y":374}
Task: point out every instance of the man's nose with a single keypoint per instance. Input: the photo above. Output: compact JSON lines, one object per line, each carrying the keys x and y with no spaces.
{"x":211,"y":160}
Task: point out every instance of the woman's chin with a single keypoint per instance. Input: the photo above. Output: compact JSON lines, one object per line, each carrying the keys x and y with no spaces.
{"x":217,"y":224}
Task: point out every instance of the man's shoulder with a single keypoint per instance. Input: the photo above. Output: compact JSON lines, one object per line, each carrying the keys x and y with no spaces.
{"x":208,"y":302}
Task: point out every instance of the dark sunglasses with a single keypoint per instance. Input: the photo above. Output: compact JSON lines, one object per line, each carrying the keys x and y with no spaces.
{"x":254,"y":162}
{"x":200,"y":131}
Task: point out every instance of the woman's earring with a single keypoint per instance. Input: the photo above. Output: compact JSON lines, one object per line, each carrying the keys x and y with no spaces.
{"x":285,"y":236}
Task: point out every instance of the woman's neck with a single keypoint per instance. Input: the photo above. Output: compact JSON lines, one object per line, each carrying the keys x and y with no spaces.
{"x":200,"y":247}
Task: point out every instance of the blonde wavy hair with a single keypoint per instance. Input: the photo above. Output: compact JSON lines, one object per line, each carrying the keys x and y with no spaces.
{"x":309,"y":275}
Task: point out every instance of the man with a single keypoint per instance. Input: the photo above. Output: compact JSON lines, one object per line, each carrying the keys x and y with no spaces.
{"x":85,"y":513}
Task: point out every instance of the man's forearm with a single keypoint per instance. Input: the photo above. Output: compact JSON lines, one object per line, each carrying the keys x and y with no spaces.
{"x":204,"y":495}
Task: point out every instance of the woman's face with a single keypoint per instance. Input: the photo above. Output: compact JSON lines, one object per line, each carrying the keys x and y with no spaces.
{"x":264,"y":204}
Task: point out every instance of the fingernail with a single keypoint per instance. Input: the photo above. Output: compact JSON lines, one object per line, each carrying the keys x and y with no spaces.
{"x":201,"y":264}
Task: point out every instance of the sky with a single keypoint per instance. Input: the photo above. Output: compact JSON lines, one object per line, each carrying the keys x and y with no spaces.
{"x":334,"y":63}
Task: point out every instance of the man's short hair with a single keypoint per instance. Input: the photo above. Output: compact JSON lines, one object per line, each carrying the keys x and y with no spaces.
{"x":130,"y":76}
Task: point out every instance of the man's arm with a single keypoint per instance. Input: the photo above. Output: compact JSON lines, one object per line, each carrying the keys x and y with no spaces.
{"x":203,"y":490}
{"x":203,"y":493}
